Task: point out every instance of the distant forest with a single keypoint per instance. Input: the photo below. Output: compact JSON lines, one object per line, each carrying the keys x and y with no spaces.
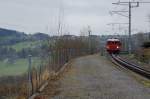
{"x":14,"y":44}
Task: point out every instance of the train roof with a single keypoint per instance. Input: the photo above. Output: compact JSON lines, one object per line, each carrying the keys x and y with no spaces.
{"x":113,"y":40}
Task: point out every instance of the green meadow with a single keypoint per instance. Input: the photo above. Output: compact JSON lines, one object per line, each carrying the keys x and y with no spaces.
{"x":19,"y":67}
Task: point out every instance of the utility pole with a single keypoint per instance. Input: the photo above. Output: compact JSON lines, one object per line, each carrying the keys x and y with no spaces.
{"x":130,"y":4}
{"x":89,"y":33}
{"x":29,"y":76}
{"x":149,"y":26}
{"x":130,"y":37}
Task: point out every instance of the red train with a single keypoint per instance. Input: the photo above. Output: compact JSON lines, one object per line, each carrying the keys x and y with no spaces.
{"x":113,"y":46}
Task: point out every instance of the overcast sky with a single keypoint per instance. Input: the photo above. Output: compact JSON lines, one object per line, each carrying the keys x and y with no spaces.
{"x":32,"y":16}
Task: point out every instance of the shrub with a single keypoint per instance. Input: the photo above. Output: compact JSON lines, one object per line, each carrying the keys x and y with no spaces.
{"x":146,"y":44}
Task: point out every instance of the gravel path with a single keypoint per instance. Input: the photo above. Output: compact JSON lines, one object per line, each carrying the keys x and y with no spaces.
{"x":94,"y":77}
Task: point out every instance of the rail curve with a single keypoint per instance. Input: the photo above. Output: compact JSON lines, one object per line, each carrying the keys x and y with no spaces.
{"x":131,"y":66}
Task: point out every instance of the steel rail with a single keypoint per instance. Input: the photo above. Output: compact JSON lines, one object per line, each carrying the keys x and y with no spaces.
{"x":131,"y":66}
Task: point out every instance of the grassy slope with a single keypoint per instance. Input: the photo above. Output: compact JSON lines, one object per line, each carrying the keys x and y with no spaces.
{"x":27,"y":44}
{"x":19,"y":67}
{"x":5,"y":38}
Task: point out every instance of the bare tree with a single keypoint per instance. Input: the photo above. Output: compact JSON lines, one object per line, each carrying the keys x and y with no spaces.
{"x":149,"y":20}
{"x":149,"y":24}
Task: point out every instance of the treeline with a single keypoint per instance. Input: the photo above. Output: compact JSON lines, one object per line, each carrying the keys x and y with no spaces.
{"x":10,"y":37}
{"x":75,"y":42}
{"x":11,"y":53}
{"x":11,"y":40}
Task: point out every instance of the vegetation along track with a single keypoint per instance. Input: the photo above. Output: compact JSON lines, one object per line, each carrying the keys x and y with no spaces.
{"x":131,"y":66}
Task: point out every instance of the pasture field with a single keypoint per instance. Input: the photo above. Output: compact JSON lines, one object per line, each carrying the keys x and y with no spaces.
{"x":26,"y":44}
{"x":20,"y":66}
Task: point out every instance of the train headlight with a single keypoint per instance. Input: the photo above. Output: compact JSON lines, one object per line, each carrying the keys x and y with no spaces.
{"x":117,"y":47}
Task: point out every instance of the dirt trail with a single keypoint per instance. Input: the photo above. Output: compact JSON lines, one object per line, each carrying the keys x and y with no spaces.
{"x":94,"y":77}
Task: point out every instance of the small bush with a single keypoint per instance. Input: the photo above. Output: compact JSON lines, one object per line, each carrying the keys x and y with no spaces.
{"x":146,"y":44}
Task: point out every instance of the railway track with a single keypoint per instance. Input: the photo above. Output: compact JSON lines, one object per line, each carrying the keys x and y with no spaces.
{"x":130,"y":66}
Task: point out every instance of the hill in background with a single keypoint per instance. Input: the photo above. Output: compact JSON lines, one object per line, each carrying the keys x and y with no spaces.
{"x":11,"y":37}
